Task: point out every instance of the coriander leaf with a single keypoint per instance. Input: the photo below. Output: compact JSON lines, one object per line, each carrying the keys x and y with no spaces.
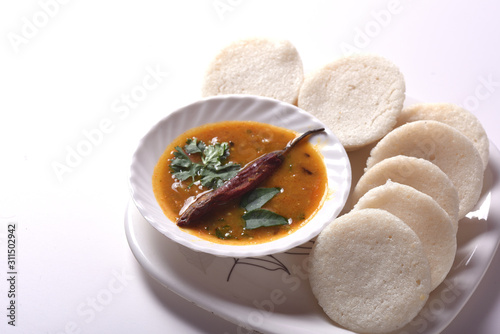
{"x":256,"y":198}
{"x":182,"y":167}
{"x":219,"y":234}
{"x":181,"y":158}
{"x":215,"y":153}
{"x":261,"y":217}
{"x":223,"y":232}
{"x":210,"y":172}
{"x":194,"y":146}
{"x":186,"y":173}
{"x":213,"y":176}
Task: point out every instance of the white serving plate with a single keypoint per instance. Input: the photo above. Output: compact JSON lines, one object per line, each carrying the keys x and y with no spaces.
{"x":271,"y":294}
{"x":240,"y":108}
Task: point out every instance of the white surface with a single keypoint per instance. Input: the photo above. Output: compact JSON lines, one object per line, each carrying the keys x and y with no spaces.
{"x":86,"y":67}
{"x":242,"y":108}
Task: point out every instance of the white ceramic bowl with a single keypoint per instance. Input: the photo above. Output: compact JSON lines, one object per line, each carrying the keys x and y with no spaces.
{"x":237,"y":107}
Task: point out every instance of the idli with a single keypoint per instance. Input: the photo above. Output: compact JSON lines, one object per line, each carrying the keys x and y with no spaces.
{"x":418,"y":173}
{"x":369,"y":272}
{"x":442,"y":145}
{"x":358,"y":97}
{"x":453,"y":115}
{"x":256,"y":66}
{"x":424,"y":216}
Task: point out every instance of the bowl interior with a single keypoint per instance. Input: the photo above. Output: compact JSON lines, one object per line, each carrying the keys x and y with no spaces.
{"x":237,"y":107}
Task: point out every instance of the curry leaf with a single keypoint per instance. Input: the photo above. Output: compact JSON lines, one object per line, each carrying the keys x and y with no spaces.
{"x":261,"y":217}
{"x":258,"y":197}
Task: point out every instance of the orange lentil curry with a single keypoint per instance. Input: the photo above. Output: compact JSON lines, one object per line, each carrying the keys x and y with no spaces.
{"x":301,"y":178}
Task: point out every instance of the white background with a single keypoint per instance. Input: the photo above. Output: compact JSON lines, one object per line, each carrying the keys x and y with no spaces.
{"x":66,"y":69}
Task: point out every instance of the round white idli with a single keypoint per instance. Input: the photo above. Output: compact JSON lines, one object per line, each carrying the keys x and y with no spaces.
{"x":424,"y":216}
{"x":418,"y":173}
{"x":358,"y":97}
{"x":256,"y":66}
{"x":369,"y":272}
{"x":453,"y":115}
{"x":442,"y":145}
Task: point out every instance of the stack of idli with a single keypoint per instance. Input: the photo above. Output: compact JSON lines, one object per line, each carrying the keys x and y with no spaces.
{"x":428,"y":173}
{"x":373,"y":268}
{"x":369,"y":271}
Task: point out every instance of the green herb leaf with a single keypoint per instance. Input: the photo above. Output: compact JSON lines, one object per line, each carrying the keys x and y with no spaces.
{"x":190,"y":172}
{"x":182,"y":167}
{"x":261,"y":217}
{"x":223,"y":232}
{"x":181,"y":158}
{"x":214,"y":154}
{"x":213,"y":176}
{"x":256,"y":198}
{"x":211,"y":172}
{"x":194,"y":146}
{"x":219,"y":234}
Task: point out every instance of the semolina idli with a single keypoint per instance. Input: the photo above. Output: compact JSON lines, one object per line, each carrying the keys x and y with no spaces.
{"x":453,"y":115}
{"x":442,"y":145}
{"x":424,"y":216}
{"x":418,"y":173}
{"x":358,"y":97}
{"x":369,"y":272}
{"x":256,"y":66}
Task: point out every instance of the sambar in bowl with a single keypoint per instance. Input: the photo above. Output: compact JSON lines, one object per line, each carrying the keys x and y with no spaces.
{"x":200,"y":149}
